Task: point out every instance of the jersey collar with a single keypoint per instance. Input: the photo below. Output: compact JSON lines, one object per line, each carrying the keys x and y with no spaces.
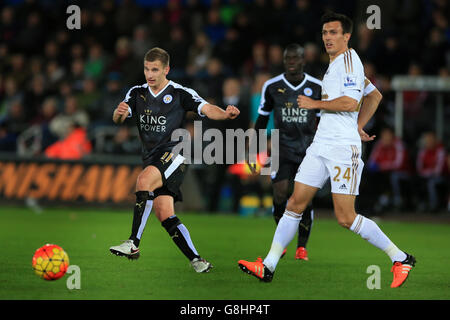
{"x":297,"y":87}
{"x":162,"y":90}
{"x":340,"y":56}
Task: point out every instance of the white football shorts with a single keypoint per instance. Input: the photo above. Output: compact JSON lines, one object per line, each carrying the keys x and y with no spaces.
{"x":341,"y":164}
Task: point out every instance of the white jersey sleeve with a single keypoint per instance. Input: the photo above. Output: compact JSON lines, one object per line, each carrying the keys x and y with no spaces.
{"x":352,"y":76}
{"x":368,"y":87}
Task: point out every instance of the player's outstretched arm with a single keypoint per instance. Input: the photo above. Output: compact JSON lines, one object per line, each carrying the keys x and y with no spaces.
{"x":120,"y":113}
{"x":215,"y":113}
{"x":368,"y":108}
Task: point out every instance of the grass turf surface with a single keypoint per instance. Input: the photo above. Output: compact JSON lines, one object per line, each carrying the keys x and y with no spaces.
{"x":336,"y":270}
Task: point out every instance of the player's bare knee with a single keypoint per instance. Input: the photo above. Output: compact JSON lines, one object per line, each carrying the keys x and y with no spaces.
{"x":142,"y":183}
{"x":148,"y":180}
{"x":162,"y":214}
{"x":345,"y":219}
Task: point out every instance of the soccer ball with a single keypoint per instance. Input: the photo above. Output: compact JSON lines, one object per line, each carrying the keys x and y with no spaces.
{"x":50,"y":262}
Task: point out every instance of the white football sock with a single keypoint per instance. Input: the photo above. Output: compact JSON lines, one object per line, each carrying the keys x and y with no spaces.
{"x":370,"y":231}
{"x":286,"y":229}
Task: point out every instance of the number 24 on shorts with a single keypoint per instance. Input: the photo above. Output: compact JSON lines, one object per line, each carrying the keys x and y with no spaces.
{"x":347,"y":174}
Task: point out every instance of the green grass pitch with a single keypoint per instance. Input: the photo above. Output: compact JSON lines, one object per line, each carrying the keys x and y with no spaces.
{"x":337,"y":268}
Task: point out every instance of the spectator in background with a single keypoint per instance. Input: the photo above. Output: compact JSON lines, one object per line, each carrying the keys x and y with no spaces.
{"x":388,"y":165}
{"x":122,"y":143}
{"x":35,"y":96}
{"x":232,"y":50}
{"x":434,"y":54}
{"x":141,"y":41}
{"x":65,"y":90}
{"x":126,"y":16}
{"x":69,"y":128}
{"x":258,"y":60}
{"x":30,"y":38}
{"x":210,"y":84}
{"x":391,"y":56}
{"x":174,"y":12}
{"x":4,"y":58}
{"x":413,"y":107}
{"x":36,"y":64}
{"x":111,"y":96}
{"x":125,"y":62}
{"x":18,"y":69}
{"x":277,"y":21}
{"x":63,"y":40}
{"x":178,"y":46}
{"x":214,"y":27}
{"x":302,"y":21}
{"x":313,"y":65}
{"x":77,"y":51}
{"x":76,"y":75}
{"x":199,"y":54}
{"x":430,"y":165}
{"x":8,"y":139}
{"x":11,"y":94}
{"x":88,"y":98}
{"x":9,"y":26}
{"x":51,"y":51}
{"x":275,"y":59}
{"x":62,"y":125}
{"x":256,"y":14}
{"x":101,"y":33}
{"x":12,"y":125}
{"x":75,"y":146}
{"x":54,"y":73}
{"x":233,"y":94}
{"x":158,"y":26}
{"x":96,"y":62}
{"x":47,"y":111}
{"x":366,"y":44}
{"x":229,"y":10}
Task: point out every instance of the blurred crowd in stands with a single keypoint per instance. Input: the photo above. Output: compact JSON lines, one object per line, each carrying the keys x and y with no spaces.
{"x":58,"y":87}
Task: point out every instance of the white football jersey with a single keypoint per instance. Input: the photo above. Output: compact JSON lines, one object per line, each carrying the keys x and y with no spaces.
{"x":344,"y":77}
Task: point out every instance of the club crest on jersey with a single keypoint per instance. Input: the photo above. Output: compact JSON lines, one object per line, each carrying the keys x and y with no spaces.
{"x":349,"y":81}
{"x":167,"y":98}
{"x":308,"y":92}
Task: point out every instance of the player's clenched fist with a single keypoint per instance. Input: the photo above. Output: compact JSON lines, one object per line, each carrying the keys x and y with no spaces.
{"x":122,"y":108}
{"x":306,"y":103}
{"x":121,"y":112}
{"x":232,"y":112}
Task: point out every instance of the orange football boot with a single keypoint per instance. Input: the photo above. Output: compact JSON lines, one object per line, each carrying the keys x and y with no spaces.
{"x":301,"y":254}
{"x":401,"y":270}
{"x":256,"y":269}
